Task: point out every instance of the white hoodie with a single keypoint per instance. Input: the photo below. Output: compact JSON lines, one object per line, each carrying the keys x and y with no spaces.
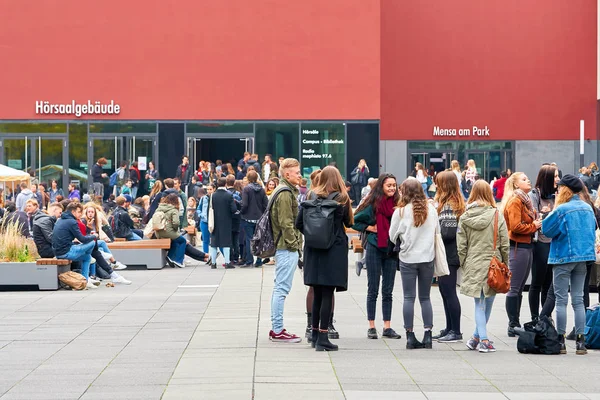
{"x":418,"y":244}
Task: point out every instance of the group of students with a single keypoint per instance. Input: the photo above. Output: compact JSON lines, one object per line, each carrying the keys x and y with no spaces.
{"x":550,"y":225}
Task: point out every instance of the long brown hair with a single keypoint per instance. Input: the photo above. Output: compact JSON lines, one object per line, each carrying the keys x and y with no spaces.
{"x":412,"y":193}
{"x":448,"y":192}
{"x":330,"y":181}
{"x":482,"y":194}
{"x":377,"y":195}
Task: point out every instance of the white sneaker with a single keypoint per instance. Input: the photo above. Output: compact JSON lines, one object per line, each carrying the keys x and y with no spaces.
{"x":92,"y":261}
{"x":178,"y":265}
{"x":117,"y":266}
{"x":91,"y":285}
{"x":122,"y":280}
{"x":94,"y":282}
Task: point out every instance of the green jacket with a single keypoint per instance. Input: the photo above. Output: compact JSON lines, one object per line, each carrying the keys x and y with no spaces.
{"x":364,"y":219}
{"x":183,"y":218}
{"x":171,"y":230}
{"x":283,"y":217}
{"x":475,"y":241}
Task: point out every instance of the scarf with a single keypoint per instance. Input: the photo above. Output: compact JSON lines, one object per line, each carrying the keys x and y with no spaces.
{"x":526,"y":200}
{"x":385,"y":210}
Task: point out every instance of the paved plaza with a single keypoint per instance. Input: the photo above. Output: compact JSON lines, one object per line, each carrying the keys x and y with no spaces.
{"x":197,"y":333}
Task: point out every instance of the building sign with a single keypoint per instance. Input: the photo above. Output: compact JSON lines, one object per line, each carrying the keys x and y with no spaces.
{"x":322,"y":147}
{"x":43,"y":107}
{"x":475,"y":131}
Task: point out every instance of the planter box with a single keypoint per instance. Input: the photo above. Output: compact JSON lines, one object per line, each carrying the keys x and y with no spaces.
{"x":30,"y":276}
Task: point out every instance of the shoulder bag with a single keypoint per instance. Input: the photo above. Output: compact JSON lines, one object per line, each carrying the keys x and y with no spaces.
{"x":498,"y":274}
{"x":211,"y":216}
{"x":440,"y":263}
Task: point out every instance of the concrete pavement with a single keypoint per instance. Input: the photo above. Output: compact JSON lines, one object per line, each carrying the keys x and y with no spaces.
{"x":197,"y":333}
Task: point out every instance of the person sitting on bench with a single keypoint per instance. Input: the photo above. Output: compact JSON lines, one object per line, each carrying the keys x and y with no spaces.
{"x":65,"y":231}
{"x":121,"y":222}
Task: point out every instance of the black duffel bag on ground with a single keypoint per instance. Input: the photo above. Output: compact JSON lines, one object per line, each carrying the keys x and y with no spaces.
{"x":538,"y":338}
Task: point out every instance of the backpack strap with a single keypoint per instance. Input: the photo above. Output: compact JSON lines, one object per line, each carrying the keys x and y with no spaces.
{"x":333,"y":195}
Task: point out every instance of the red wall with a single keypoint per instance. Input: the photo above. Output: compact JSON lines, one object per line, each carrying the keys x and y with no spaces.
{"x":525,"y":68}
{"x":193,"y":59}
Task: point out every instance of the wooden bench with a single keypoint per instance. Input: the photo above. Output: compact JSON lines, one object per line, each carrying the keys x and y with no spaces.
{"x":39,"y":275}
{"x":357,"y":245}
{"x":142,"y":254}
{"x":191,"y":230}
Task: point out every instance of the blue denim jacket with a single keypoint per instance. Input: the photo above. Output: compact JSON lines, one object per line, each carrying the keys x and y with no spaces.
{"x":572,"y":227}
{"x":202,"y":209}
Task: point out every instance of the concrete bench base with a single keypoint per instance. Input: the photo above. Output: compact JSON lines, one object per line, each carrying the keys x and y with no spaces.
{"x":140,"y":259}
{"x":30,"y":276}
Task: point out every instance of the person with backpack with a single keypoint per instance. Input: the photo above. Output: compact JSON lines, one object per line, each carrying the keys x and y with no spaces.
{"x":325,"y":265}
{"x":121,"y":223}
{"x":254,"y":204}
{"x":223,"y":208}
{"x":478,"y":228}
{"x":414,"y":225}
{"x":571,"y":226}
{"x":450,"y":205}
{"x":373,"y":217}
{"x":288,"y":243}
{"x":166,"y":226}
{"x":117,"y":178}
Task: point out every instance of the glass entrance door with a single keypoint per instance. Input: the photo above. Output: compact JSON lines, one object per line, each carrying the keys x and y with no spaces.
{"x":415,"y":158}
{"x":52,"y":156}
{"x":211,"y":149}
{"x":490,"y":163}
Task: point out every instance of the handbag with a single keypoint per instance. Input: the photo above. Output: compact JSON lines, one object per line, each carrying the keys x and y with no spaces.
{"x":440,"y":263}
{"x":211,"y":216}
{"x":498,"y":274}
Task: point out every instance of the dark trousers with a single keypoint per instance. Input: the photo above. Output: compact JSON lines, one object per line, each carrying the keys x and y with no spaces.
{"x":322,"y":306}
{"x":452,"y":309}
{"x":235,"y":246}
{"x":382,"y":267}
{"x":541,"y":278}
{"x":249,"y":229}
{"x":194,"y":253}
{"x":103,"y":269}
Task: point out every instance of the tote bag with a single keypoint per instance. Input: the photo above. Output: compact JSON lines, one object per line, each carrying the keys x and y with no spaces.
{"x":211,"y":216}
{"x":440,"y":263}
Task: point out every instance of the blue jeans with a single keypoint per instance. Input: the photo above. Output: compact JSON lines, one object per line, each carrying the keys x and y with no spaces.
{"x":573,"y":273}
{"x":249,"y":228}
{"x":134,"y":191}
{"x":213,"y":254}
{"x":286,"y":263}
{"x":83,"y":253}
{"x":424,"y":186}
{"x":205,"y":236}
{"x":103,"y":246}
{"x":134,"y":235}
{"x":177,"y":249}
{"x":483,"y":310}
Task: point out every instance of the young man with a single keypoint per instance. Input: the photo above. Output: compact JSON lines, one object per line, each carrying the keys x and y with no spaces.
{"x":224,"y":208}
{"x":65,"y":231}
{"x":184,"y":171}
{"x":98,"y":176}
{"x":269,"y":168}
{"x":242,"y":163}
{"x":254,"y":204}
{"x":283,"y":214}
{"x":32,"y":208}
{"x":43,"y":226}
{"x":236,"y":220}
{"x":123,"y":223}
{"x":22,"y":197}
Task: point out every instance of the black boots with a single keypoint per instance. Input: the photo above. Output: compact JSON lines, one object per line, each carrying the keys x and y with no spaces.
{"x":580,"y":345}
{"x":312,"y":338}
{"x":323,"y":343}
{"x":308,"y":325}
{"x":331,"y":331}
{"x":512,"y":310}
{"x":412,"y":342}
{"x":427,"y":340}
{"x":563,"y":347}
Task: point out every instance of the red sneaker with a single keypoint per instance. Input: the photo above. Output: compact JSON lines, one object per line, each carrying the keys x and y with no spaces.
{"x":284,"y":337}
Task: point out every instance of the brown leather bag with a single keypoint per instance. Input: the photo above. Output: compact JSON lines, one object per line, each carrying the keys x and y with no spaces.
{"x":498,"y":274}
{"x":74,"y":280}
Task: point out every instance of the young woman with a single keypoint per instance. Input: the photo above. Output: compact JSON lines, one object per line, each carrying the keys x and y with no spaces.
{"x":542,"y":199}
{"x":522,"y":222}
{"x":421,"y":175}
{"x":471,"y":171}
{"x":271,"y":185}
{"x":359,"y":179}
{"x":450,"y":206}
{"x":151,"y":176}
{"x":326,"y":271}
{"x":572,"y":227}
{"x":135,"y":176}
{"x":475,"y":241}
{"x":169,"y":206}
{"x":373,"y":217}
{"x":94,"y":219}
{"x":414,"y":225}
{"x":203,"y":214}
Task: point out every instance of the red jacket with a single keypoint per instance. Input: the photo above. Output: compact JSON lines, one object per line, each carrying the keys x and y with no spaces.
{"x":499,"y":186}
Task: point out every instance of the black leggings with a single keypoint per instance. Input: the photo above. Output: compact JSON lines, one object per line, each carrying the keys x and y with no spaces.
{"x":541,"y":278}
{"x":321,"y":310}
{"x":447,"y":285}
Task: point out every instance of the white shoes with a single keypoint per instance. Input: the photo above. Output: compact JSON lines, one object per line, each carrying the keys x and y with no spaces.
{"x":92,"y":261}
{"x":93,"y":282}
{"x":118,"y":266}
{"x":91,"y":285}
{"x":122,"y":280}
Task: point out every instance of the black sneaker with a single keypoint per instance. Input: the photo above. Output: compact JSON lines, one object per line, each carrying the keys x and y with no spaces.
{"x":258,"y":265}
{"x":228,"y":266}
{"x":391,"y":334}
{"x":266,"y":260}
{"x":451,"y":337}
{"x":372,"y":333}
{"x":243,"y":265}
{"x":170,"y":262}
{"x":443,"y":333}
{"x":213,"y":266}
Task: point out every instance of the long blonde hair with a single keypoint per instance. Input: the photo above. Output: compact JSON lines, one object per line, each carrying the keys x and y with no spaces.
{"x":412,"y":193}
{"x":482,"y":194}
{"x":455,"y":166}
{"x":509,"y":188}
{"x":564,"y":195}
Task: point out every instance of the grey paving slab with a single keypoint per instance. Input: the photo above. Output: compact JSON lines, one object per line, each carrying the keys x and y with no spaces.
{"x":124,"y":392}
{"x":383,"y":395}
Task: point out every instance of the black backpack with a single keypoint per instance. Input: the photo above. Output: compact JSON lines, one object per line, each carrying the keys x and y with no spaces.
{"x":538,"y":338}
{"x":262,"y":244}
{"x":319,"y":222}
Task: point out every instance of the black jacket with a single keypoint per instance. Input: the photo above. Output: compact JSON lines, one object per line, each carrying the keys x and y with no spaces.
{"x":224,"y":208}
{"x":97,"y":174}
{"x":20,"y":217}
{"x":109,"y":206}
{"x":43,"y":226}
{"x":65,"y":230}
{"x":237,"y":201}
{"x":254,"y":202}
{"x":123,"y":223}
{"x":187,"y":177}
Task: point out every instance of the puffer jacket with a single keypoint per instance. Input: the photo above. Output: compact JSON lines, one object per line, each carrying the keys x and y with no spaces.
{"x":171,"y":230}
{"x":43,"y":225}
{"x":475,"y":241}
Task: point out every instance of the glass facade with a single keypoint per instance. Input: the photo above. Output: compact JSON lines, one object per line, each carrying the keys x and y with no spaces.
{"x":277,"y":139}
{"x":322,"y":144}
